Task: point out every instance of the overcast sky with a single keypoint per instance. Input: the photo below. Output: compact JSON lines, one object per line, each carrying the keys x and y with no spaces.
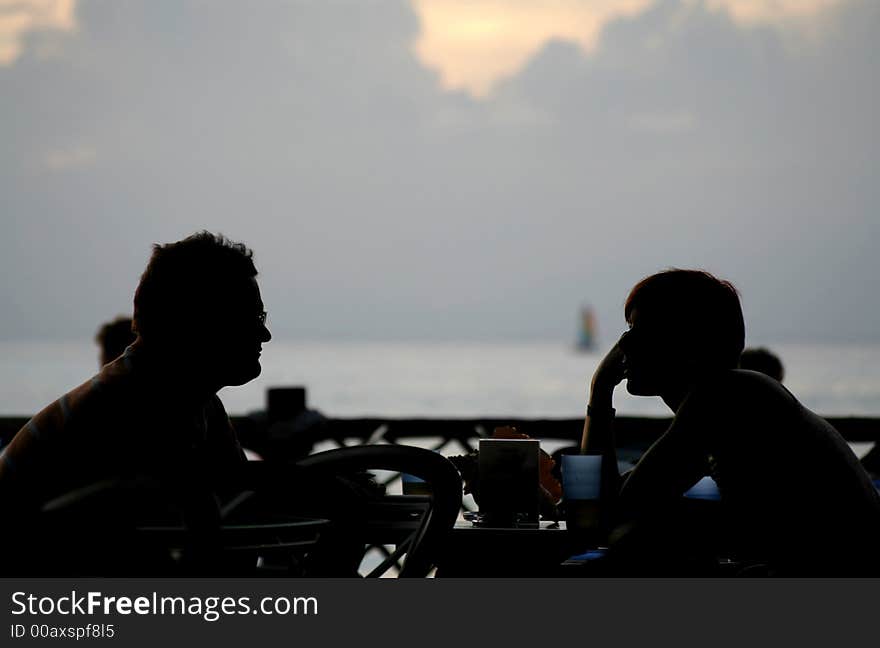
{"x":405,"y":171}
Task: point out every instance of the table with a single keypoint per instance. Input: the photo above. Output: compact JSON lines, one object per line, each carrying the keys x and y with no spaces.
{"x":487,"y":552}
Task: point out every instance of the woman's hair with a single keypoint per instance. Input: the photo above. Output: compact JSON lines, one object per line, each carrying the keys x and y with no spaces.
{"x":695,"y":307}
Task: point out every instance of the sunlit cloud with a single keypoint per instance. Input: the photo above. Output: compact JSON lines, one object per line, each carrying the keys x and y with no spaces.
{"x":768,"y":11}
{"x":475,"y":43}
{"x":18,"y":17}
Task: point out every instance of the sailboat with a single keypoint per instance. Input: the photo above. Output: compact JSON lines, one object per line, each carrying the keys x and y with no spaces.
{"x":587,"y":333}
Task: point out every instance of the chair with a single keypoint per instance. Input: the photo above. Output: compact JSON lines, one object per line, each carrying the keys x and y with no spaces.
{"x":98,"y":530}
{"x":244,"y":550}
{"x":416,"y":524}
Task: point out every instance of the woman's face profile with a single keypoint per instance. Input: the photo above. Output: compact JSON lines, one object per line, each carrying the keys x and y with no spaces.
{"x":648,"y":349}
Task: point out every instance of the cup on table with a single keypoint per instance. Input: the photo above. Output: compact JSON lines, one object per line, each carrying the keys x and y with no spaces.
{"x":509,"y":481}
{"x":581,"y":482}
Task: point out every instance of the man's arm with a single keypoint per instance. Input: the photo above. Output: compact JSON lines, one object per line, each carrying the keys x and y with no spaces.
{"x":27,"y":469}
{"x":228,"y":464}
{"x":225,"y":447}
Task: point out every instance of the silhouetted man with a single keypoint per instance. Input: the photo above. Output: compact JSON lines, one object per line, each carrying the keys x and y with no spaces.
{"x":763,"y":361}
{"x":793,"y":494}
{"x":154,"y":411}
{"x":113,"y":338}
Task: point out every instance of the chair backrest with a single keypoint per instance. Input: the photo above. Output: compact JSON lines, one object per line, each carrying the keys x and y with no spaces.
{"x":397,"y":517}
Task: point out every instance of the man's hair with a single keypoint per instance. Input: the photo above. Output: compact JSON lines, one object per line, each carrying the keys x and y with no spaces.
{"x":763,"y":360}
{"x":698,"y":307}
{"x":186,"y":281}
{"x":114,"y":336}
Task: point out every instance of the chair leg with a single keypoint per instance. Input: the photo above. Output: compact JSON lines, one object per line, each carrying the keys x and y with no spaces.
{"x":391,"y":560}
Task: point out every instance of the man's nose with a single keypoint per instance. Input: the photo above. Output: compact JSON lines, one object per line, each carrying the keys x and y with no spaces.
{"x":265,"y":333}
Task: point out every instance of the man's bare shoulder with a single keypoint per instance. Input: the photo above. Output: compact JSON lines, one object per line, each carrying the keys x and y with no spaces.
{"x":100,"y":397}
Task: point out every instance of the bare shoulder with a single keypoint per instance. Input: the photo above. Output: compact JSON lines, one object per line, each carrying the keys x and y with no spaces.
{"x":735,"y":394}
{"x":733,"y":383}
{"x":759,"y":387}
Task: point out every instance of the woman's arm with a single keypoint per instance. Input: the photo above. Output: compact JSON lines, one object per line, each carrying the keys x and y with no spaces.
{"x":674,"y":463}
{"x":598,"y":436}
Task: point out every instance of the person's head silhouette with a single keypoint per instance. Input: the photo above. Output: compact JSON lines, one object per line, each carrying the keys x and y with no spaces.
{"x":762,"y":360}
{"x":113,"y":337}
{"x":683,"y":323}
{"x":198,"y":304}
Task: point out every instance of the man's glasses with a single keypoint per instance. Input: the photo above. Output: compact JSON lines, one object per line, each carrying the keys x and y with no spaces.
{"x":261,"y":318}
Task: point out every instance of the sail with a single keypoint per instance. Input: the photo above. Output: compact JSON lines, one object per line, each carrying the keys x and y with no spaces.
{"x":587,"y":333}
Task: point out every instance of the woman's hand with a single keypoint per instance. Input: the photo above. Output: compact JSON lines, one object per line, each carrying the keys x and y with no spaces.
{"x":609,"y":374}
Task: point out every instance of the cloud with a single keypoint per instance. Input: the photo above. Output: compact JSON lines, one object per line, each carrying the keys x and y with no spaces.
{"x":20,"y":17}
{"x":476,"y":43}
{"x":382,"y":204}
{"x":772,"y":11}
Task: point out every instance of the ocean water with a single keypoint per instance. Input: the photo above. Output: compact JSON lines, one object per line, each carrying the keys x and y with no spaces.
{"x":467,"y":379}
